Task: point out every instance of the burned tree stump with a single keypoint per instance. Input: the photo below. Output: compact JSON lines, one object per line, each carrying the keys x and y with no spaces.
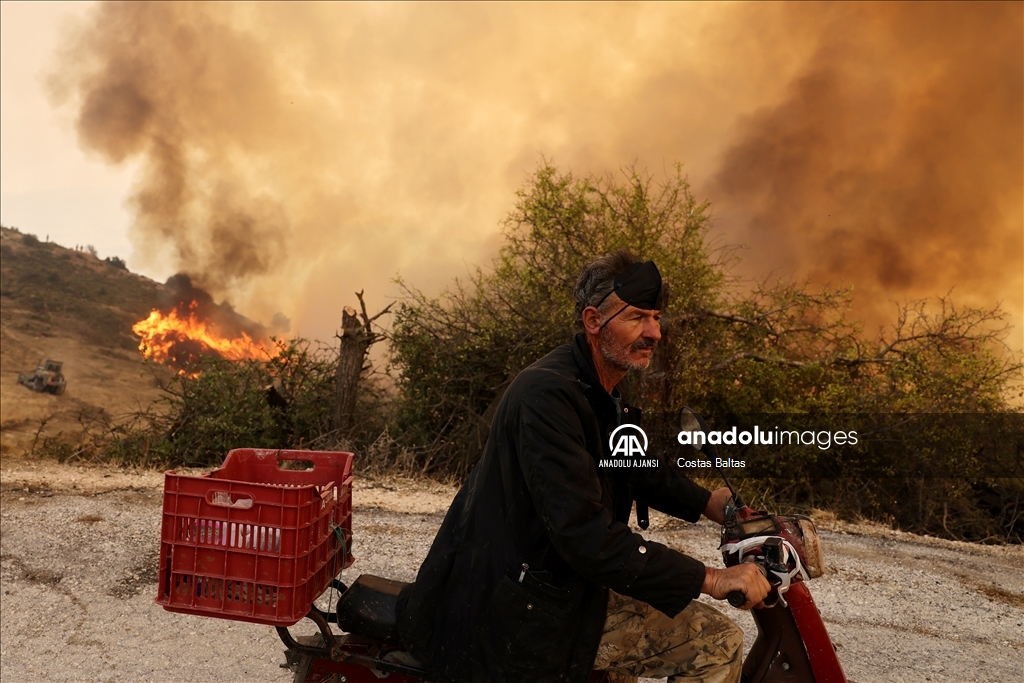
{"x":356,"y":338}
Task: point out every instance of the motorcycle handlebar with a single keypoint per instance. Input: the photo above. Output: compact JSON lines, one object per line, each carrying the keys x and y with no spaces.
{"x":739,"y":598}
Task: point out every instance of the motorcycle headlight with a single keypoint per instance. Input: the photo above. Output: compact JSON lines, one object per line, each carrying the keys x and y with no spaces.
{"x":814,"y":559}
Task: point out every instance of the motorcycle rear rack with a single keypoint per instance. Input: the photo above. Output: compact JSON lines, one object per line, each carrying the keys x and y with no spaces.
{"x":349,"y":648}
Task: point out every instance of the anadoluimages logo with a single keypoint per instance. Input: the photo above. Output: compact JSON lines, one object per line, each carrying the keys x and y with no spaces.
{"x":628,"y":446}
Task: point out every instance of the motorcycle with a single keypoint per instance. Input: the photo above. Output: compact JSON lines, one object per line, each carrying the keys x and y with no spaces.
{"x":793,"y":644}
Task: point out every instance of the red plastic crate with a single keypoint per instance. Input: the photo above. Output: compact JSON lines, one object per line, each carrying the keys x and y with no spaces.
{"x":253,"y":542}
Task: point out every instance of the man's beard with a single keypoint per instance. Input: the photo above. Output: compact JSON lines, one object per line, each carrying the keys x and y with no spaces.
{"x":618,"y":357}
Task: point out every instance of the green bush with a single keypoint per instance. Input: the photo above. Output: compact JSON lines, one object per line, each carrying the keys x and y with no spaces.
{"x":214,"y":405}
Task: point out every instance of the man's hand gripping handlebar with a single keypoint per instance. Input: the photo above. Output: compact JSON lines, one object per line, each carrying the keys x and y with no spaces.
{"x":744,"y":585}
{"x":745,"y":581}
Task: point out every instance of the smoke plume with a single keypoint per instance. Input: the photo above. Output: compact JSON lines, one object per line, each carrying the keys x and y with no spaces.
{"x":291,"y":154}
{"x":894,"y":161}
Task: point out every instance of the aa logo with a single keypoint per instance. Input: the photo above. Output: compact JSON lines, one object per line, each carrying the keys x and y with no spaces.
{"x":628,"y":440}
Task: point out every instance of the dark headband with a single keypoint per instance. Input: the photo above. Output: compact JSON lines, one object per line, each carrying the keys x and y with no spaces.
{"x":639,"y":286}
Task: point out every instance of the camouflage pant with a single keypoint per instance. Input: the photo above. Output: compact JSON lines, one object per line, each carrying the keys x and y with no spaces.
{"x":698,"y":644}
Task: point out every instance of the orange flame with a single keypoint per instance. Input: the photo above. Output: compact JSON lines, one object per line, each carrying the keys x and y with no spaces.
{"x":161,"y":332}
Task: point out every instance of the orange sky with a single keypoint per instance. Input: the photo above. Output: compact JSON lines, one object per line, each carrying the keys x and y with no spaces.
{"x":286,"y":155}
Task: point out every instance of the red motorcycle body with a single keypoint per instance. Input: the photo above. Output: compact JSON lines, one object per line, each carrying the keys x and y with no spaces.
{"x":792,"y":642}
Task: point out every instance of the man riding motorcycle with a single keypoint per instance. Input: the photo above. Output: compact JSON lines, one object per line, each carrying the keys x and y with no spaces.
{"x":535,"y":574}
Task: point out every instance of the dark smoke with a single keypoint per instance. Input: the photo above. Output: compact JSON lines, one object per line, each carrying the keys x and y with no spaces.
{"x":134,"y":103}
{"x":894,"y":163}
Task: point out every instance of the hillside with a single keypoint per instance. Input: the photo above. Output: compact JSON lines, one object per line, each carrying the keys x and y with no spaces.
{"x":70,"y":306}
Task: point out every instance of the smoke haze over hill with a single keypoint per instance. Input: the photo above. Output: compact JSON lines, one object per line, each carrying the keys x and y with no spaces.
{"x":293,"y":154}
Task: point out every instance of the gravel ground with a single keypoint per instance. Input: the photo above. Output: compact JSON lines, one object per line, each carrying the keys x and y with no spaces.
{"x":78,"y":568}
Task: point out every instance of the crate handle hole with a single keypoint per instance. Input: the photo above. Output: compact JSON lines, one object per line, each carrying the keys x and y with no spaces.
{"x":300,"y":465}
{"x":228,"y":500}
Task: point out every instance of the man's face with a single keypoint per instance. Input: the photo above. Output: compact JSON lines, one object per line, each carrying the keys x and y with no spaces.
{"x":627,"y":341}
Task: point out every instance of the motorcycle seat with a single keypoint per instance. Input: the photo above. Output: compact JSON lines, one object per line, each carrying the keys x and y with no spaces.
{"x":369,"y":608}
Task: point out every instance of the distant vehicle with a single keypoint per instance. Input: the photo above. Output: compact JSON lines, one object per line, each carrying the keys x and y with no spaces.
{"x":46,"y":378}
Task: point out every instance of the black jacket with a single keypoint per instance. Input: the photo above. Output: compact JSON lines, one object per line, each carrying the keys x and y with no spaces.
{"x":515,"y":585}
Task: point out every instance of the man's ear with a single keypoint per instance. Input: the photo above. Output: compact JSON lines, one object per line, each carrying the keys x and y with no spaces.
{"x":592,"y":320}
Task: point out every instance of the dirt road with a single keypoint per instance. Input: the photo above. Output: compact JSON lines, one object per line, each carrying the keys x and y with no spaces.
{"x":78,"y":567}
